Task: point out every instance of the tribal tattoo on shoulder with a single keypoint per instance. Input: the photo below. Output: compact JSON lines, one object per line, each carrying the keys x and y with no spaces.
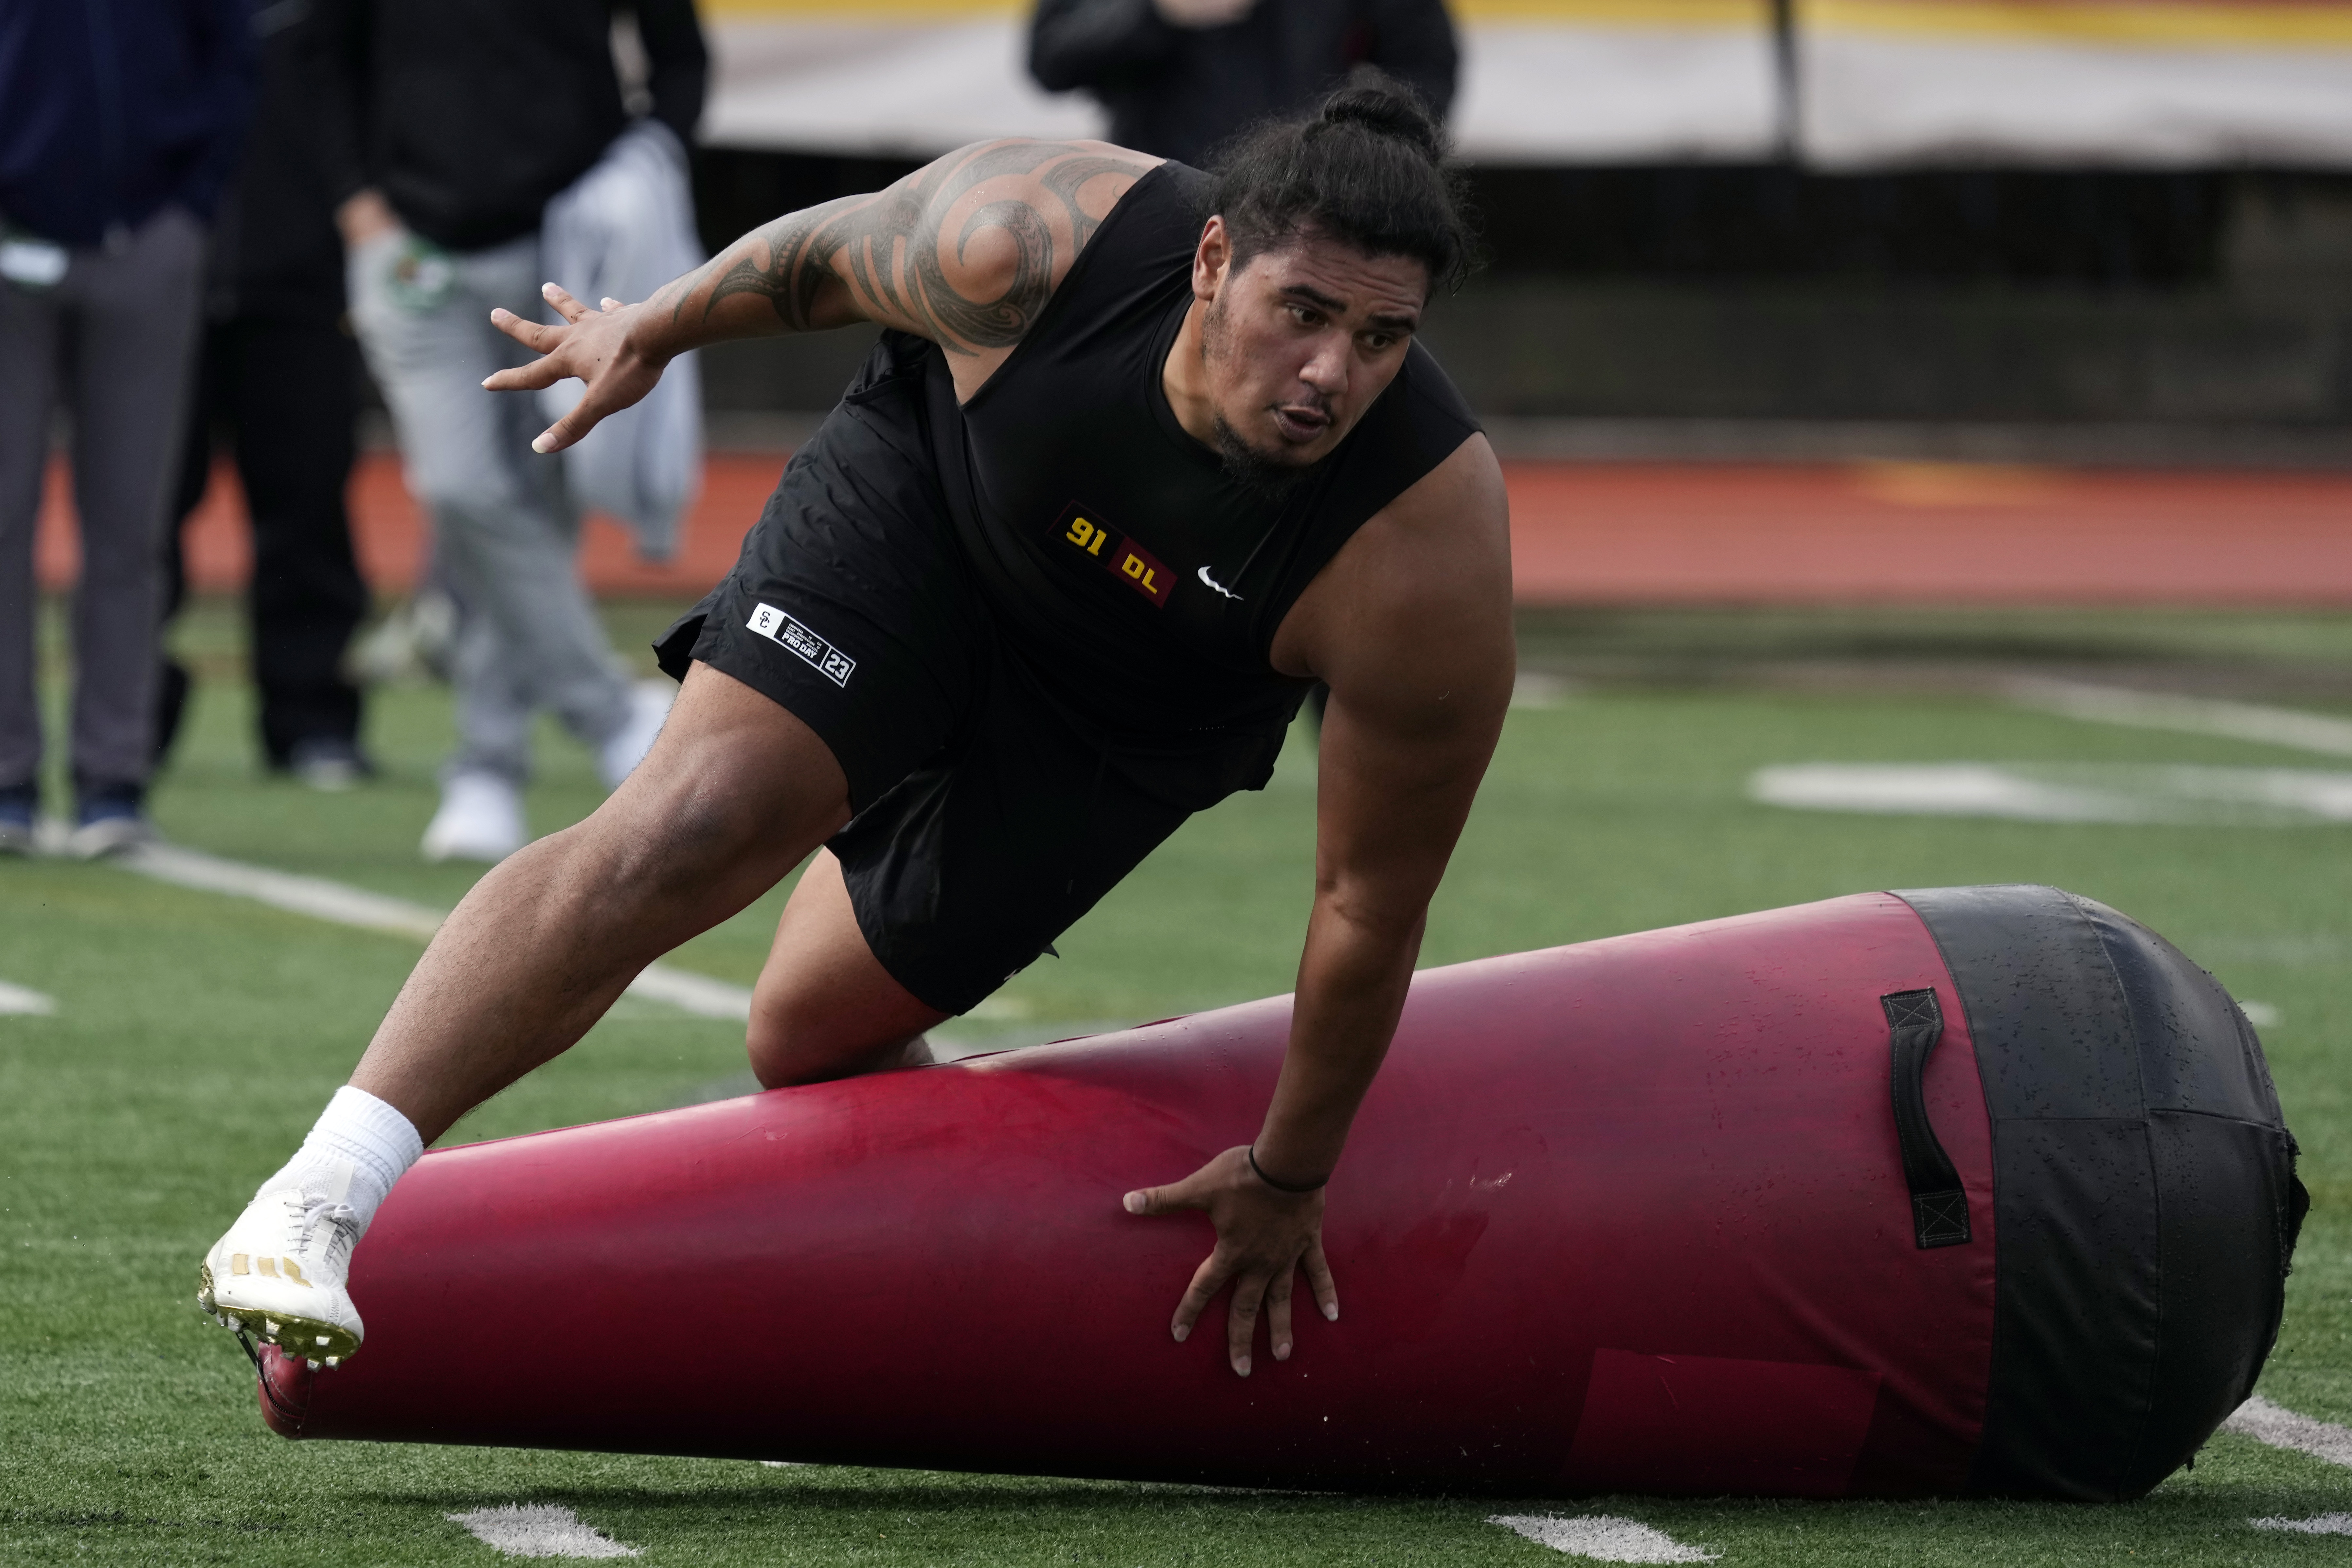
{"x":893,"y":253}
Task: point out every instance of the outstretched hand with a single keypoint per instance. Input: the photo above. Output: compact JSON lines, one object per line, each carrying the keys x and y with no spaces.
{"x":1263,"y":1237}
{"x":593,"y":346}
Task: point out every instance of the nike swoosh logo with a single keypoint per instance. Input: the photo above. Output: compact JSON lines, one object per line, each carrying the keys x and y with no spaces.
{"x":1220,"y":587}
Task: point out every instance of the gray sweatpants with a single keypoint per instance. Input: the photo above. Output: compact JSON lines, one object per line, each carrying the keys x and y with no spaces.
{"x":112,"y":341}
{"x":505,"y":535}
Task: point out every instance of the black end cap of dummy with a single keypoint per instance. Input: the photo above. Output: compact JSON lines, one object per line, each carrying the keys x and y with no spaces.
{"x":2145,"y":1202}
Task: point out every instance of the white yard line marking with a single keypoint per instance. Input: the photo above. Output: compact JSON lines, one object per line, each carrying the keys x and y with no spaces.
{"x":690,"y":992}
{"x":312,"y":896}
{"x":2282,"y":1429}
{"x":1928,"y":789}
{"x":16,"y":1001}
{"x":2319,"y":1524}
{"x":2063,"y":792}
{"x":344,"y":905}
{"x":2286,"y":727}
{"x":1534,"y":689}
{"x":1602,"y":1537}
{"x":539,"y":1529}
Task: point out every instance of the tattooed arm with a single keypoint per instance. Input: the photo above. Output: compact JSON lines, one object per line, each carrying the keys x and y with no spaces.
{"x":964,"y":251}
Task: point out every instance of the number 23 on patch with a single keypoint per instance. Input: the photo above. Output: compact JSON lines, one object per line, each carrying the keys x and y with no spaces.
{"x":1122,"y":558}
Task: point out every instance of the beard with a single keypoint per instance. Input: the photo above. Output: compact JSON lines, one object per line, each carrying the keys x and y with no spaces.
{"x":1259,"y":473}
{"x":1269,"y":478}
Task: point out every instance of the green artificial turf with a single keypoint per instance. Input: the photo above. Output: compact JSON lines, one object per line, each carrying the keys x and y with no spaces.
{"x":195,"y":1037}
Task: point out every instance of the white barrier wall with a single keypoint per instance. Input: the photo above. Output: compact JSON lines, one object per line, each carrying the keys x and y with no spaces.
{"x":1615,"y":81}
{"x":2135,"y":82}
{"x":1544,"y":81}
{"x":2130,"y":82}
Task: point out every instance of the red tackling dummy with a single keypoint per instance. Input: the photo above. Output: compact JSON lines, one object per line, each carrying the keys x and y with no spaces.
{"x":1704,"y":1210}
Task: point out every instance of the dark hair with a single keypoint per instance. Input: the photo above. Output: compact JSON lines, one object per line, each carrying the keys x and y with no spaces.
{"x":1368,"y":168}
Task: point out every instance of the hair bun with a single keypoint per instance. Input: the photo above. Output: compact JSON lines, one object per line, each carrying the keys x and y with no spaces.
{"x":1386,"y":108}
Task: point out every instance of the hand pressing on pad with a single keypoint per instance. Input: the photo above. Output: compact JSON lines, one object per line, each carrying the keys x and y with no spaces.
{"x":1264,"y":1235}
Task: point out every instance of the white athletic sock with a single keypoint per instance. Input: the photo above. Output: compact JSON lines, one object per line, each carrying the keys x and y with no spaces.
{"x":357,"y":1133}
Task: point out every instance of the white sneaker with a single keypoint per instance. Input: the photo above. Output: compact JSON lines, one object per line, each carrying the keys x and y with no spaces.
{"x":418,"y":641}
{"x":649,"y":703}
{"x":280,"y":1274}
{"x":480,"y":819}
{"x":107,"y":835}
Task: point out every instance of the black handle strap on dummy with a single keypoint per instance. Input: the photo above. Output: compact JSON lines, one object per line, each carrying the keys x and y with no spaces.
{"x":1940,"y":1205}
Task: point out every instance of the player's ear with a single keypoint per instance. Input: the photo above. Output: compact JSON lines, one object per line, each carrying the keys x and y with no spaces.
{"x":1211,"y":260}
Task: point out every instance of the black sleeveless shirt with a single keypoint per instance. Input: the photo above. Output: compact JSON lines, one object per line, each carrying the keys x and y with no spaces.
{"x":1119,"y":560}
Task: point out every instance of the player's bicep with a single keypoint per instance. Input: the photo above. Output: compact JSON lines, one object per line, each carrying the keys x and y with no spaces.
{"x":1393,"y":789}
{"x":1414,"y":636}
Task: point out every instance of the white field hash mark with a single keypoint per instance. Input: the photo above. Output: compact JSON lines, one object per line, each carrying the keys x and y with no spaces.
{"x":333,"y":901}
{"x":2282,"y":1429}
{"x":2062,"y":792}
{"x":2319,"y":1524}
{"x":1602,"y":1537}
{"x":16,"y":1001}
{"x":2288,"y":727}
{"x":539,"y":1529}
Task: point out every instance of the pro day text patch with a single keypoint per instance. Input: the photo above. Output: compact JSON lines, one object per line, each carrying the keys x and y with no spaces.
{"x":784,"y":630}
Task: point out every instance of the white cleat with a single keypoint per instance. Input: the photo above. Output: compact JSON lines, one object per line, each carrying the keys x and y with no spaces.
{"x":280,"y":1274}
{"x":649,"y":703}
{"x":480,"y":819}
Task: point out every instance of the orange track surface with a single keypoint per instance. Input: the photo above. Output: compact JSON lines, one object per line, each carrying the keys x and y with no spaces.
{"x":1627,"y":533}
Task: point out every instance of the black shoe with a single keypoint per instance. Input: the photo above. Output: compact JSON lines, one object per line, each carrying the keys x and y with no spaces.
{"x":109,"y":817}
{"x":19,"y":806}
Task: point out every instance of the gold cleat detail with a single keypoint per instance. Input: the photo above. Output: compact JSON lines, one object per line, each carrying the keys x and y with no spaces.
{"x":307,"y":1336}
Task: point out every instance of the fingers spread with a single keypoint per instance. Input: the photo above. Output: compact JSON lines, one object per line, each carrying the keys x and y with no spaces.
{"x":563,"y":432}
{"x":1183,"y":1194}
{"x":570,"y":309}
{"x":1318,"y":1280}
{"x":571,"y":427}
{"x":1241,"y":1320}
{"x":1277,"y":1314}
{"x":536,"y":336}
{"x":525,"y":378}
{"x":1207,"y":1280}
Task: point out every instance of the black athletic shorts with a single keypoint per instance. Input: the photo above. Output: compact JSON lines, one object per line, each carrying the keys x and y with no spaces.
{"x":991,"y":811}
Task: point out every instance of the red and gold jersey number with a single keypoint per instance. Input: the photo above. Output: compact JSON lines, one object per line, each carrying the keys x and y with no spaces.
{"x":1121,"y":557}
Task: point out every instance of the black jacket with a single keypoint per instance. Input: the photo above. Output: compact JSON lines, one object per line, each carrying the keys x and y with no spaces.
{"x":109,"y":110}
{"x":470,"y":114}
{"x":274,"y":250}
{"x":1176,"y":92}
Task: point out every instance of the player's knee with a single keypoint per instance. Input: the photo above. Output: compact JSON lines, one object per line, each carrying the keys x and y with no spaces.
{"x":679,"y":837}
{"x":790,"y":1043}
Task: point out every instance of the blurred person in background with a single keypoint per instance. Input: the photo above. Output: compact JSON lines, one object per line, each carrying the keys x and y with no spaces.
{"x":1181,"y":76}
{"x":278,"y":374}
{"x":448,"y":127}
{"x":119,"y":126}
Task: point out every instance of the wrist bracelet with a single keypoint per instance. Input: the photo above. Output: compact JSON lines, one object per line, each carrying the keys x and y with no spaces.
{"x":1291,"y":1188}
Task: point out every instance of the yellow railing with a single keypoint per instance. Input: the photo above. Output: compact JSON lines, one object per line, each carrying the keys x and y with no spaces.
{"x":2173,"y":24}
{"x":1615,"y":12}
